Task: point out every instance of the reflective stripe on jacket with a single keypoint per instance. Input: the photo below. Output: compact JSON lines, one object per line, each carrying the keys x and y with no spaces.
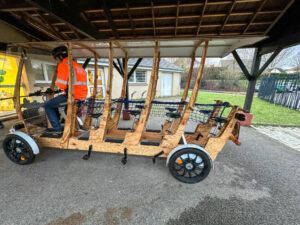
{"x":79,"y":82}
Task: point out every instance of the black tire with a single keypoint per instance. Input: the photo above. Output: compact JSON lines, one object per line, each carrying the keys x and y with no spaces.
{"x":190,"y":165}
{"x":18,"y":150}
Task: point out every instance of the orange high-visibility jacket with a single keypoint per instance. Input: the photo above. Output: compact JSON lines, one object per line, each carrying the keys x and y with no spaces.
{"x":79,"y":82}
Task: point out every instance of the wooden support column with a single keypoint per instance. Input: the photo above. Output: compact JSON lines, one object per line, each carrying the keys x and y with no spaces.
{"x":71,"y":107}
{"x":171,"y":141}
{"x":118,"y":111}
{"x":99,"y":134}
{"x":133,"y":138}
{"x":190,"y":74}
{"x":17,"y":100}
{"x":88,"y":120}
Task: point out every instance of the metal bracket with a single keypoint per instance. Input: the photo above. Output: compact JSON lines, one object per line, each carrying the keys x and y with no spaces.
{"x":155,"y":156}
{"x":124,"y":159}
{"x":88,"y":155}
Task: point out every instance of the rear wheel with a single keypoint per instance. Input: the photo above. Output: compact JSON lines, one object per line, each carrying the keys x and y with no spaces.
{"x":18,"y":149}
{"x":190,"y":165}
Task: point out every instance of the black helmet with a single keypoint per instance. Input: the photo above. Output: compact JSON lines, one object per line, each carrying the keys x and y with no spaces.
{"x":60,"y":52}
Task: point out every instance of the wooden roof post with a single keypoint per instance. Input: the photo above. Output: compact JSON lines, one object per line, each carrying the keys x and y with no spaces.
{"x":71,"y":114}
{"x":133,"y":138}
{"x":99,"y":134}
{"x":170,"y":141}
{"x":88,"y":120}
{"x":16,"y":99}
{"x":118,"y":111}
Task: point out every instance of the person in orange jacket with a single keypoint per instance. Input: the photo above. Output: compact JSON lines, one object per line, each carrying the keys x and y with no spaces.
{"x":62,"y":81}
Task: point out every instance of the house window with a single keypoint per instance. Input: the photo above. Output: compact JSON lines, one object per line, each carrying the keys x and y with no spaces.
{"x":43,"y":72}
{"x":139,"y":76}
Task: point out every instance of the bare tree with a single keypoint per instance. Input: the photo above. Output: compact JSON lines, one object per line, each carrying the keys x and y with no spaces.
{"x":282,"y":59}
{"x":296,"y":62}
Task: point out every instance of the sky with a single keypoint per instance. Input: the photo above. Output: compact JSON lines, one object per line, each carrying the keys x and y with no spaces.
{"x":285,"y":63}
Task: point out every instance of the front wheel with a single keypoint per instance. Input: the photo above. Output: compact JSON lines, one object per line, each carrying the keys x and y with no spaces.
{"x":18,"y":150}
{"x":190,"y":165}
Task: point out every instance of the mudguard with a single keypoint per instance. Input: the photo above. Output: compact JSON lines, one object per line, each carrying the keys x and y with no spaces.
{"x":30,"y":141}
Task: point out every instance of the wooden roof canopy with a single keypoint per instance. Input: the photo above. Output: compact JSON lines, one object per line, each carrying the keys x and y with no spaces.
{"x":230,"y":24}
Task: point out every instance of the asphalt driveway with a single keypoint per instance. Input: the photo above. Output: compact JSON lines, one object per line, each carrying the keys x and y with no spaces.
{"x":256,"y":183}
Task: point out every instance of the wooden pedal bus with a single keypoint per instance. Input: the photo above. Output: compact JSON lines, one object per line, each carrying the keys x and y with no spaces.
{"x":95,"y":125}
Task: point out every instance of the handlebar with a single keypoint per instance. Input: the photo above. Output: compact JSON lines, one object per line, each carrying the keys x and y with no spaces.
{"x":41,"y":93}
{"x":36,"y":93}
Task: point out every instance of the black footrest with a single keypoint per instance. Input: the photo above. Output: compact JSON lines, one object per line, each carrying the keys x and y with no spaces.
{"x":173,"y":115}
{"x":134,"y":112}
{"x":151,"y":143}
{"x":204,"y":111}
{"x":220,"y":119}
{"x":170,"y":109}
{"x":113,"y":140}
{"x":139,"y":106}
{"x":96,"y":115}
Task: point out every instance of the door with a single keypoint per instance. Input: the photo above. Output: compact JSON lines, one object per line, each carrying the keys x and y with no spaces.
{"x":166,"y":84}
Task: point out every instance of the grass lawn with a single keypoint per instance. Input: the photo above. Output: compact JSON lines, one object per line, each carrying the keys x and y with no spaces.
{"x":263,"y":111}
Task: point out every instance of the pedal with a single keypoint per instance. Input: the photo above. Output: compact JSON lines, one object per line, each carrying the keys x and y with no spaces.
{"x":124,"y":159}
{"x":88,"y":155}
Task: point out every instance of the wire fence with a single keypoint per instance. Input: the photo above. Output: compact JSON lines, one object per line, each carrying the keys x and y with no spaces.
{"x":281,"y":89}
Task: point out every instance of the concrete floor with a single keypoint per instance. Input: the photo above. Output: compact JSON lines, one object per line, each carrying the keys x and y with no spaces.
{"x":256,"y":183}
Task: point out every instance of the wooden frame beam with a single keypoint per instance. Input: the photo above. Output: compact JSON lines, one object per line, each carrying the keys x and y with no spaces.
{"x":190,"y":74}
{"x":99,"y":134}
{"x":71,"y":107}
{"x":134,"y":138}
{"x":88,"y":119}
{"x":170,"y":141}
{"x":118,"y":111}
{"x":16,"y":98}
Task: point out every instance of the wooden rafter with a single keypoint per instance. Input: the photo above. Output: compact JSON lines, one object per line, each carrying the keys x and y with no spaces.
{"x":189,"y":26}
{"x":130,"y":19}
{"x":153,"y":18}
{"x":187,"y":16}
{"x":228,"y":15}
{"x":110,"y":19}
{"x":44,"y":20}
{"x":201,"y":17}
{"x":164,"y":6}
{"x":177,"y":15}
{"x":68,"y":15}
{"x":254,"y":15}
{"x":280,"y":15}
